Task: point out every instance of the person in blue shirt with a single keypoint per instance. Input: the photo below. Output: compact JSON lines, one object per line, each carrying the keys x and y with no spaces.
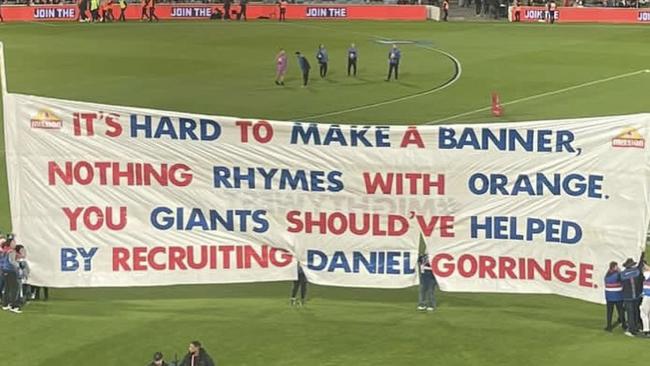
{"x":304,"y":67}
{"x":322,"y":58}
{"x":394,"y":55}
{"x":614,"y":296}
{"x":353,"y":55}
{"x":632,"y":280}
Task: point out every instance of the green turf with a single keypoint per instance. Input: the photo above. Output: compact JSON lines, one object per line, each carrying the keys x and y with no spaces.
{"x":227,"y":69}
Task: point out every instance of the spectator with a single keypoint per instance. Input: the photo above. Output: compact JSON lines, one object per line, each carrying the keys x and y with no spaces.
{"x":242,"y":10}
{"x":123,"y":6}
{"x":9,"y":267}
{"x":197,"y":356}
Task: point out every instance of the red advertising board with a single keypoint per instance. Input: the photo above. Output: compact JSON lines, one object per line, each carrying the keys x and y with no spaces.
{"x":584,"y":15}
{"x":204,"y":11}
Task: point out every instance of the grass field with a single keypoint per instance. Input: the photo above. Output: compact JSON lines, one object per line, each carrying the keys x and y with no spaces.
{"x":227,"y":69}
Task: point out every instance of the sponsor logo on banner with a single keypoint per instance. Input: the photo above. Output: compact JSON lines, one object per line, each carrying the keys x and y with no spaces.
{"x":321,"y":12}
{"x":46,"y":119}
{"x":191,"y":12}
{"x":539,"y":14}
{"x":629,"y":138}
{"x":644,"y":16}
{"x":55,"y":13}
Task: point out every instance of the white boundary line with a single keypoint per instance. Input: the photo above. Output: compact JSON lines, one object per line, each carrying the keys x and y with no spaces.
{"x":3,"y":71}
{"x":458,"y":73}
{"x":542,"y":95}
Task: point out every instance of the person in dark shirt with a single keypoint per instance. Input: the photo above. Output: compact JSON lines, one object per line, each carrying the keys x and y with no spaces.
{"x":226,"y":9}
{"x":614,"y":296}
{"x":304,"y":67}
{"x":323,"y":59}
{"x":632,"y":280}
{"x":197,"y":356}
{"x":394,"y":55}
{"x":353,"y":56}
{"x":158,"y":360}
{"x":242,"y":9}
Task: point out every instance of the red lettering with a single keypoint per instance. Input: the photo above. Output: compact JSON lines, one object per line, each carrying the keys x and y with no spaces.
{"x":412,"y":136}
{"x":151,"y":258}
{"x":378,"y":182}
{"x":204,"y":258}
{"x":139,"y":258}
{"x":447,"y":269}
{"x":263,"y":137}
{"x":473,"y":265}
{"x":72,"y":216}
{"x":115,"y":128}
{"x":120,"y":259}
{"x":176,"y":258}
{"x":243,"y":128}
{"x":486,"y":267}
{"x":507,"y":267}
{"x":566,"y":276}
{"x":280,"y":257}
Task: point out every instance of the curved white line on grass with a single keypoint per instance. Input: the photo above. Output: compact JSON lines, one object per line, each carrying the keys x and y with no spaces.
{"x":458,"y":70}
{"x":542,"y":95}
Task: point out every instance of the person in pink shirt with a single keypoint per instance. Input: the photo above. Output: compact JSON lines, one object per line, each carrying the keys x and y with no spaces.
{"x":280,"y":67}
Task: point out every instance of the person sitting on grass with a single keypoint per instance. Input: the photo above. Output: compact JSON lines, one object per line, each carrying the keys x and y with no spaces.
{"x":197,"y":356}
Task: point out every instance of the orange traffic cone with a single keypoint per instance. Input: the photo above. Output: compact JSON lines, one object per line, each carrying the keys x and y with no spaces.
{"x":497,"y":109}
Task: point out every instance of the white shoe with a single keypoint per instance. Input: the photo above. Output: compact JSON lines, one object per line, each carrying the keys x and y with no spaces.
{"x":422,"y":308}
{"x":627,"y":333}
{"x":430,"y":308}
{"x":16,"y":310}
{"x":6,"y":307}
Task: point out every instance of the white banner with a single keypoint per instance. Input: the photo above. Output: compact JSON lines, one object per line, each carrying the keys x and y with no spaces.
{"x":117,"y":196}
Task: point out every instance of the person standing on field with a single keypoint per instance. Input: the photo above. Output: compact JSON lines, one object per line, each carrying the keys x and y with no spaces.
{"x":152,"y":11}
{"x":632,"y":280}
{"x":280,"y":67}
{"x":323,"y":59}
{"x":10,"y":268}
{"x":394,"y":56}
{"x":644,"y":308}
{"x":614,"y":296}
{"x":353,"y":56}
{"x":300,"y":283}
{"x":242,"y":10}
{"x":445,"y":9}
{"x":304,"y":68}
{"x":123,"y":6}
{"x":427,"y":299}
{"x":282,"y":4}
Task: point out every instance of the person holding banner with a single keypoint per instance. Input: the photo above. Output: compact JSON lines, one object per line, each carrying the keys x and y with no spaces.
{"x":614,"y":296}
{"x":9,"y":266}
{"x":301,"y":284}
{"x":644,"y":309}
{"x":632,"y":279}
{"x":427,"y":299}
